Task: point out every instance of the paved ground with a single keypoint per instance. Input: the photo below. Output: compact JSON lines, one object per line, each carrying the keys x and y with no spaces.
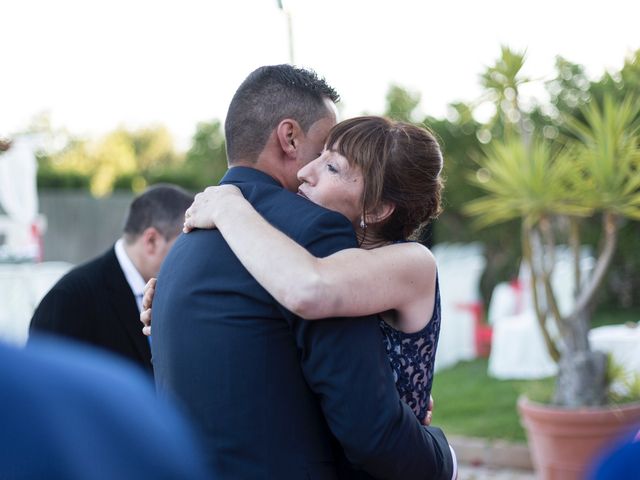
{"x":483,"y":459}
{"x":469,"y":472}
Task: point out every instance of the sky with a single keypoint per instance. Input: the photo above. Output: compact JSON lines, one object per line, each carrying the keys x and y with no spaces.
{"x":94,"y":65}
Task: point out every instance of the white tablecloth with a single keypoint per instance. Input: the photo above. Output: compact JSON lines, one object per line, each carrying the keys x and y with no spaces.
{"x":459,"y":269}
{"x":621,"y":341}
{"x":22,"y":286}
{"x":518,"y":350}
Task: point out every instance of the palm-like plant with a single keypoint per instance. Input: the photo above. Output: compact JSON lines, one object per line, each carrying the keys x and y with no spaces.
{"x":551,"y":189}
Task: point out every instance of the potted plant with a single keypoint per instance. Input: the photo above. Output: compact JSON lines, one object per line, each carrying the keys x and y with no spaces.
{"x":552,"y":188}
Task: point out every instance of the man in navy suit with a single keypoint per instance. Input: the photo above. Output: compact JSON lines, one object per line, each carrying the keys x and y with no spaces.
{"x":98,"y":302}
{"x":278,"y":397}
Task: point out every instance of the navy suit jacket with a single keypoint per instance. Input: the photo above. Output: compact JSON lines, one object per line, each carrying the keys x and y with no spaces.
{"x":94,"y":304}
{"x":71,"y":413}
{"x":271,"y":391}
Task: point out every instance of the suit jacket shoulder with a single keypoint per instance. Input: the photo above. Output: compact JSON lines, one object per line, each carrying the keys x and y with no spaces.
{"x":93,"y":303}
{"x":307,"y":223}
{"x":70,"y":304}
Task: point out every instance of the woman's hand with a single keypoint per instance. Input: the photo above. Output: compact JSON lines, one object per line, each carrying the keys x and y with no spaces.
{"x":202,"y":212}
{"x":429,"y":417}
{"x":147,"y":300}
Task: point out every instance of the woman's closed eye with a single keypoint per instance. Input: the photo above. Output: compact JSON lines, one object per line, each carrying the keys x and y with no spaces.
{"x":332,"y":168}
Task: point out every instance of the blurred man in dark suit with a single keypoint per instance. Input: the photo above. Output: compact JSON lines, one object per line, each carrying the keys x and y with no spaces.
{"x":99,"y":302}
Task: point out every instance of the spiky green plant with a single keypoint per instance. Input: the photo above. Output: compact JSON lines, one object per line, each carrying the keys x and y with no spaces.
{"x":597,"y":172}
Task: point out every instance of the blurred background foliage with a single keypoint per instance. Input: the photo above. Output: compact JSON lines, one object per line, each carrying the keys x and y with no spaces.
{"x":133,"y":159}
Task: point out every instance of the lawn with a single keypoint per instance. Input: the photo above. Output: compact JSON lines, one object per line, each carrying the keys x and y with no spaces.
{"x":468,"y":402}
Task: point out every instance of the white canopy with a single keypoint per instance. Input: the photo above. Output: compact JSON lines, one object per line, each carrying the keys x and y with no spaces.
{"x":20,"y":226}
{"x":18,"y":189}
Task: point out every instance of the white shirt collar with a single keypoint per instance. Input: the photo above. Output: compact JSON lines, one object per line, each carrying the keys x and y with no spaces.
{"x":134,"y":279}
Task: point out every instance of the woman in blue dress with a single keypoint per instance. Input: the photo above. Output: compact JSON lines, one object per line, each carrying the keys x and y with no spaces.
{"x":384,"y":176}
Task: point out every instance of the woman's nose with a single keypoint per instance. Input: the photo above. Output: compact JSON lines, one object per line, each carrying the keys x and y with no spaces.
{"x":305,"y":173}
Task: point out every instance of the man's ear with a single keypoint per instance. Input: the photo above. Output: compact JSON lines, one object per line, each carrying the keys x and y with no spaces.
{"x":380,"y":214}
{"x":150,"y":239}
{"x":288,"y":134}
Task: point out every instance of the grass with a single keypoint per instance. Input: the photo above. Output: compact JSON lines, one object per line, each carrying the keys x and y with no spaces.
{"x":615,"y":316}
{"x":468,"y":402}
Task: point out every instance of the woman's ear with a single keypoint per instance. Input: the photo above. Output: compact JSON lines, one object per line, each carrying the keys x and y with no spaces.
{"x":380,"y":214}
{"x":288,"y":133}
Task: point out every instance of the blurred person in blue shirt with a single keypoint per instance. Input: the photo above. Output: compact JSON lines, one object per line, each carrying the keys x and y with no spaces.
{"x":621,"y":462}
{"x":68,"y":412}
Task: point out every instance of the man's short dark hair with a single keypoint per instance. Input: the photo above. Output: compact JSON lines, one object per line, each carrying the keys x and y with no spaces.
{"x":161,"y":206}
{"x":269,"y":95}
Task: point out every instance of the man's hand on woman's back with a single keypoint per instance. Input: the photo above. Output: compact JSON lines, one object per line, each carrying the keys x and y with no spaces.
{"x":147,"y":300}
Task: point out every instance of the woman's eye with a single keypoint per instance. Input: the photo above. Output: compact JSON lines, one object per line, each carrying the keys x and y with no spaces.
{"x":331,"y":168}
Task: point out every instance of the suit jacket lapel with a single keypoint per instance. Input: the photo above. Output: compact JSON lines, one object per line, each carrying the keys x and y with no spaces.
{"x":124,"y":303}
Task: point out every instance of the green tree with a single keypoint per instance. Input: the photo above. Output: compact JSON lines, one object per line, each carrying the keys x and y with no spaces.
{"x":102,"y":161}
{"x":401,"y":104}
{"x":619,"y":84}
{"x":154,"y":149}
{"x":463,"y":137}
{"x":121,"y":159}
{"x":207,"y":157}
{"x":569,"y":90}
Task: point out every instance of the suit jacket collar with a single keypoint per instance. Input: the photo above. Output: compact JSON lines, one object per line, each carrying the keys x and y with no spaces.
{"x":248,"y":174}
{"x":126,"y":310}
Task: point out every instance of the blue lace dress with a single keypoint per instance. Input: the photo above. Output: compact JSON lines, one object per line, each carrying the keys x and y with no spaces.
{"x":412,"y":357}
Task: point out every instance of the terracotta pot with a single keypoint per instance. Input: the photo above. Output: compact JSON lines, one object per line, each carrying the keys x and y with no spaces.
{"x":565,"y":442}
